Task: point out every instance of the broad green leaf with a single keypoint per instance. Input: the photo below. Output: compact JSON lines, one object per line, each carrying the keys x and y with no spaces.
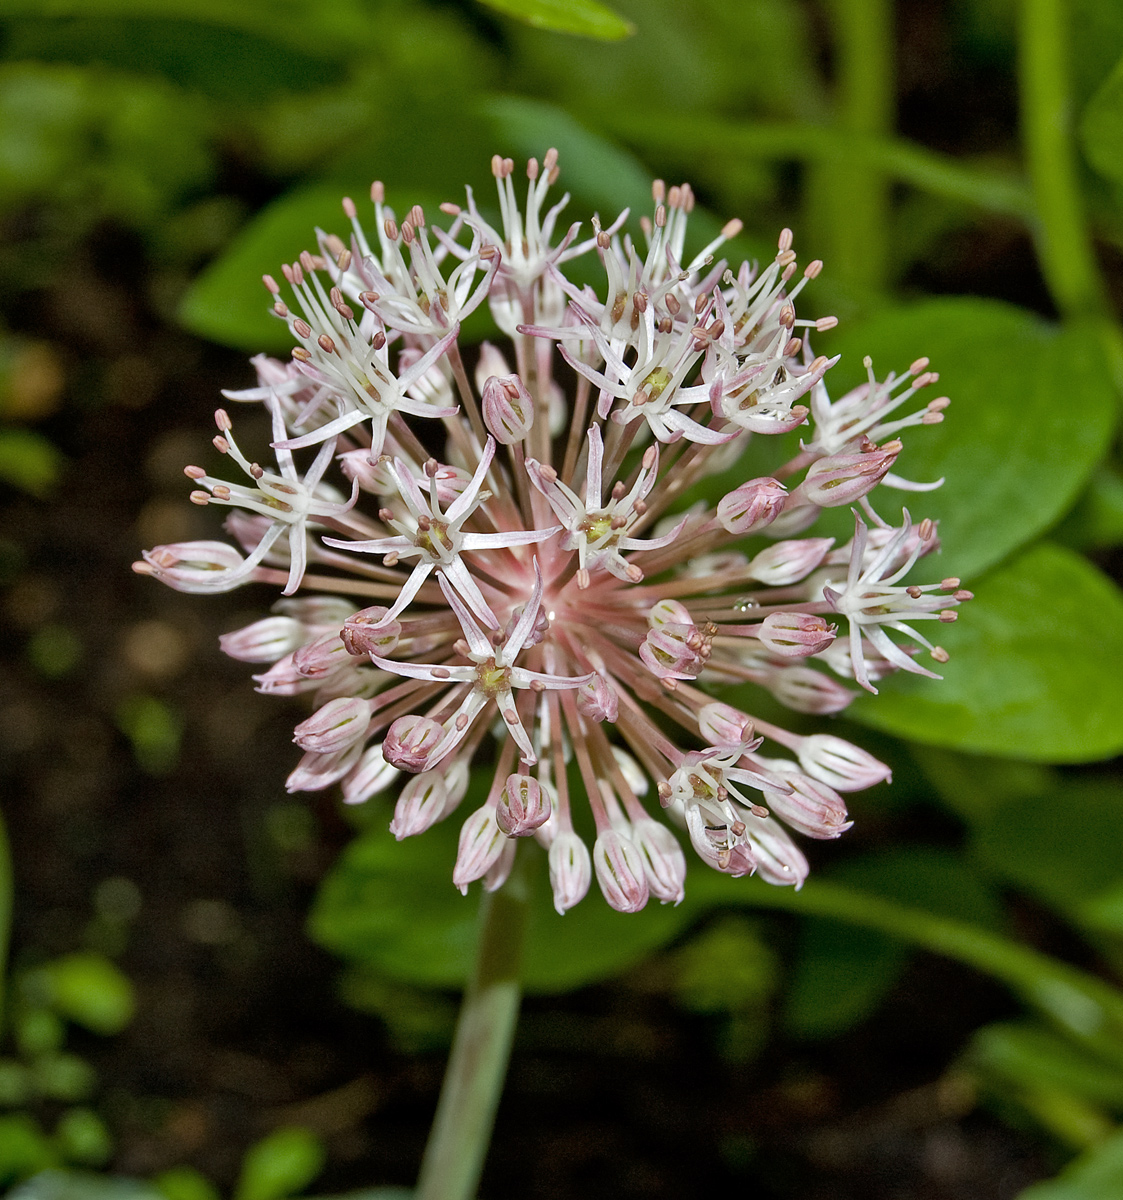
{"x":586,"y":18}
{"x":392,"y":906}
{"x":1032,"y":411}
{"x":229,"y":64}
{"x":1097,"y":1174}
{"x":1101,"y":127}
{"x":281,"y":1165}
{"x":974,"y":785}
{"x":1061,"y":846}
{"x":1096,"y":522}
{"x":1034,"y":670}
{"x":840,"y":976}
{"x":1030,"y":1053}
{"x":842,"y":972}
{"x":1096,"y":30}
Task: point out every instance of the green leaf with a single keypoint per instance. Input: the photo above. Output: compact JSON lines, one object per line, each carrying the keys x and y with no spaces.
{"x":24,"y":1149}
{"x":1095,"y":1175}
{"x":843,"y":973}
{"x":586,"y":18}
{"x":281,"y":1165}
{"x":1096,"y":522}
{"x":29,"y":461}
{"x":1061,"y":846}
{"x":1034,"y":670}
{"x":1101,"y":127}
{"x":1027,"y":1053}
{"x":392,"y":906}
{"x":87,"y":989}
{"x":1033,"y":409}
{"x":185,"y":1183}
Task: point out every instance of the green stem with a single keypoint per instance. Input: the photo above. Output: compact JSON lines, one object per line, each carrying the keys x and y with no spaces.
{"x":1086,"y":1008}
{"x":856,"y":200}
{"x":1063,"y":244}
{"x":477,"y":1066}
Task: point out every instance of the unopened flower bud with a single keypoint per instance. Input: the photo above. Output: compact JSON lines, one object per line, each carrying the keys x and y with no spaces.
{"x":778,"y":859}
{"x":371,"y":775}
{"x":315,"y":771}
{"x":358,"y":466}
{"x":785,"y":563}
{"x":500,"y":870}
{"x":421,"y":804}
{"x":481,"y":843}
{"x":335,"y":726}
{"x":664,"y":863}
{"x":321,"y":657}
{"x":752,"y":507}
{"x":811,"y":807}
{"x":523,"y":806}
{"x":263,"y":641}
{"x":795,"y":635}
{"x":193,"y":566}
{"x":491,"y":362}
{"x":668,"y":612}
{"x":410,"y":742}
{"x":508,"y":409}
{"x":368,"y":632}
{"x":838,"y":763}
{"x":571,"y":870}
{"x":674,"y":652}
{"x":808,"y":691}
{"x":597,"y":701}
{"x":843,"y":478}
{"x":620,"y":872}
{"x":723,"y":725}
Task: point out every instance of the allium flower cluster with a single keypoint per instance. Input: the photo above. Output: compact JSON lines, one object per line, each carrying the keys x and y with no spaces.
{"x":508,"y":574}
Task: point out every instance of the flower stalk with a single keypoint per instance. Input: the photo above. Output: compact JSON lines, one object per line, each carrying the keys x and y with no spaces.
{"x":461,"y":1131}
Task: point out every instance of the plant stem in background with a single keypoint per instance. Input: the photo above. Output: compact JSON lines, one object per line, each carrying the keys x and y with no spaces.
{"x":1063,"y":245}
{"x":481,"y":1047}
{"x":6,"y":890}
{"x":855,"y":198}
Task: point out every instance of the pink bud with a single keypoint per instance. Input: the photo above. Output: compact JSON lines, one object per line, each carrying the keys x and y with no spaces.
{"x":193,"y":566}
{"x":571,"y":870}
{"x":283,"y":679}
{"x":810,"y":807}
{"x":752,"y":506}
{"x":838,"y":763}
{"x":795,"y":635}
{"x":371,"y":775}
{"x":664,"y":863}
{"x":508,"y":409}
{"x":315,"y":772}
{"x":421,"y":804}
{"x":778,"y":859}
{"x":843,"y":478}
{"x":523,"y":806}
{"x":321,"y":657}
{"x":358,"y":466}
{"x":597,"y":701}
{"x":263,"y":641}
{"x":334,"y":727}
{"x":368,"y":632}
{"x":674,"y":651}
{"x":491,"y":362}
{"x":668,"y":612}
{"x":785,"y":563}
{"x":722,"y":725}
{"x":620,"y":872}
{"x":410,"y":743}
{"x":481,"y":843}
{"x":808,"y":691}
{"x":500,"y":870}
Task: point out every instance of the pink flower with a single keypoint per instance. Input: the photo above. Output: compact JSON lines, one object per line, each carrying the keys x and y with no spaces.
{"x":543,"y":600}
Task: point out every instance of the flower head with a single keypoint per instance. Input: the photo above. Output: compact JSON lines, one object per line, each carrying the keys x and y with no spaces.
{"x":528,"y":590}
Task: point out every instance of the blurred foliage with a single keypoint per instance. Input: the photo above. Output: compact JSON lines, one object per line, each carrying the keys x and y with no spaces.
{"x":219,"y":134}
